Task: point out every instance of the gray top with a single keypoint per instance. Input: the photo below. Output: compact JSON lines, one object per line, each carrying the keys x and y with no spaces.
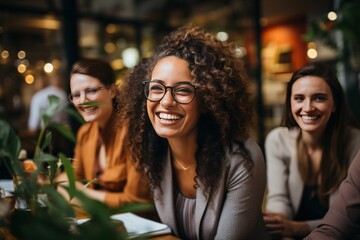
{"x":185,"y":216}
{"x":232,"y":211}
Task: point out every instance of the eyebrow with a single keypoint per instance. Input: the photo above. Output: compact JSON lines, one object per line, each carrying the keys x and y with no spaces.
{"x":161,"y":81}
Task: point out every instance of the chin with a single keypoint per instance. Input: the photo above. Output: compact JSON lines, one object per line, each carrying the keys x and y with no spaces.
{"x":90,"y":118}
{"x":164,"y":134}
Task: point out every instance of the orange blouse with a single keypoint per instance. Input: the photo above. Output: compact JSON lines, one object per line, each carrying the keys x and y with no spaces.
{"x":121,"y":181}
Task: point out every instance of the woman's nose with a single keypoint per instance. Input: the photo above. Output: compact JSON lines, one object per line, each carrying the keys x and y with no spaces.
{"x":82,"y":97}
{"x":308,"y":105}
{"x":168,"y":99}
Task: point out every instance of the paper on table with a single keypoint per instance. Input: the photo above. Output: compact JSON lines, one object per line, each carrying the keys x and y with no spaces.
{"x":136,"y":225}
{"x":7,"y":185}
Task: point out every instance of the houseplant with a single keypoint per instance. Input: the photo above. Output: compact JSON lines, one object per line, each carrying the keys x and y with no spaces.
{"x":47,"y":217}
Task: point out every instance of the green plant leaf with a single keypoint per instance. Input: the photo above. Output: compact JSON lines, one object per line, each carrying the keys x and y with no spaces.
{"x":47,"y":140}
{"x":64,"y":130}
{"x":46,"y":157}
{"x":90,"y":104}
{"x":70,"y":174}
{"x":9,"y":147}
{"x":56,"y":203}
{"x":75,"y":114}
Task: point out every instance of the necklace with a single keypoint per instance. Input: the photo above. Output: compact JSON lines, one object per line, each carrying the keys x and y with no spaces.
{"x":182,"y":166}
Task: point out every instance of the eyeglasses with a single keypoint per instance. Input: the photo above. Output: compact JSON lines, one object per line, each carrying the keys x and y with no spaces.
{"x":182,"y":93}
{"x":90,"y":93}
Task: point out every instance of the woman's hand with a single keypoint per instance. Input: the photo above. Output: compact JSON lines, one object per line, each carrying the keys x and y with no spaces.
{"x":63,"y":180}
{"x":280,"y":227}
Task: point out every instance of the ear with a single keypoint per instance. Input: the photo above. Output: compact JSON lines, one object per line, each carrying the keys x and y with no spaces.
{"x":113,"y":91}
{"x":333,"y":108}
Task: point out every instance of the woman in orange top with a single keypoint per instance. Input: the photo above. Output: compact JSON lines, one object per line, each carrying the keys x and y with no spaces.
{"x":99,"y":152}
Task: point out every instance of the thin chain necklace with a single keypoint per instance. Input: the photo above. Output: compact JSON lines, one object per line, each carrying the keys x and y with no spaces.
{"x":182,"y":166}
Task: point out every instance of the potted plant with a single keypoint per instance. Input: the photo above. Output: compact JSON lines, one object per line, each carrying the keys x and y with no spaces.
{"x":47,"y":215}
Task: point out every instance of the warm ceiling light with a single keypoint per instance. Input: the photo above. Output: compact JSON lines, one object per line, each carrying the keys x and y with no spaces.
{"x":332,"y":16}
{"x":110,"y":47}
{"x":222,"y":36}
{"x":5,"y":54}
{"x":130,"y":57}
{"x":21,"y":54}
{"x":111,"y":28}
{"x":48,"y":67}
{"x":312,"y":53}
{"x":29,"y":79}
{"x":21,"y":68}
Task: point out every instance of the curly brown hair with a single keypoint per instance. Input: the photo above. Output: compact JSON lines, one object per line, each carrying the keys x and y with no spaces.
{"x":223,"y":89}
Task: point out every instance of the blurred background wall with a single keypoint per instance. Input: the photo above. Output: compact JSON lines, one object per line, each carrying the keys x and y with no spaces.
{"x":40,"y":38}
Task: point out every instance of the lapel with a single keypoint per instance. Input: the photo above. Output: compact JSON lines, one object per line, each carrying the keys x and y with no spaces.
{"x":90,"y":151}
{"x":166,"y":202}
{"x":201,"y":205}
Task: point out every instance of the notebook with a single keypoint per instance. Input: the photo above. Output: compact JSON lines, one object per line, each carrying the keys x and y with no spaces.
{"x":136,"y":225}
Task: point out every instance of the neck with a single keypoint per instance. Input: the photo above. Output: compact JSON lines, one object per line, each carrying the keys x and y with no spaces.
{"x":183,"y":151}
{"x":311,"y":140}
{"x":107,"y":129}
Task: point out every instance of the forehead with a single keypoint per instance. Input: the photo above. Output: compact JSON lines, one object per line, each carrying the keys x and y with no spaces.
{"x":81,"y":81}
{"x":171,"y":70}
{"x":310,"y":85}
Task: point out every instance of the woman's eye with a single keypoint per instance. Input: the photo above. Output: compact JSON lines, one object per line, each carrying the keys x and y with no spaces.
{"x":75,"y":95}
{"x":320,"y":98}
{"x":298,"y":98}
{"x":183,"y":90}
{"x":156,"y":88}
{"x":91,"y":90}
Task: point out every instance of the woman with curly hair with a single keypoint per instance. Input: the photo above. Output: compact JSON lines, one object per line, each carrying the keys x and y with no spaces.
{"x":309,"y":155}
{"x":190,"y":113}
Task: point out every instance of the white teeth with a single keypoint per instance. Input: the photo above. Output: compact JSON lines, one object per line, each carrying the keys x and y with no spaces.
{"x":308,"y":117}
{"x":169,"y":116}
{"x":89,"y":109}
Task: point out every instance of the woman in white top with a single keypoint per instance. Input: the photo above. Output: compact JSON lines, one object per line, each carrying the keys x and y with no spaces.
{"x":308,"y":157}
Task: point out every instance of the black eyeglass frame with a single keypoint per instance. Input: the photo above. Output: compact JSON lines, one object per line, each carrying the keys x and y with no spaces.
{"x":171,"y":90}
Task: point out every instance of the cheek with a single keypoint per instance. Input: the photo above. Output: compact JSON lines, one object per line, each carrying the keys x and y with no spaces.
{"x":194,"y":112}
{"x":150,"y":109}
{"x":294,"y":106}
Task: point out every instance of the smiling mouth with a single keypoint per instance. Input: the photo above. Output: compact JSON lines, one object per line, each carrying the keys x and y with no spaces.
{"x":309,"y":118}
{"x":169,"y":117}
{"x":88,"y":109}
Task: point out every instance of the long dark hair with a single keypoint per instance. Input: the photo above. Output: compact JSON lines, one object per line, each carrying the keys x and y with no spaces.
{"x":333,"y":166}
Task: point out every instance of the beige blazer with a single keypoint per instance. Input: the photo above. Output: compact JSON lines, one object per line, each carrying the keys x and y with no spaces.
{"x":233,"y":210}
{"x":284,"y":184}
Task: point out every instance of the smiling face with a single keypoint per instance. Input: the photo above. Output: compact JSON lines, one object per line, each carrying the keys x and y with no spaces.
{"x":312,"y":104}
{"x":81,"y":83}
{"x":169,"y":118}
